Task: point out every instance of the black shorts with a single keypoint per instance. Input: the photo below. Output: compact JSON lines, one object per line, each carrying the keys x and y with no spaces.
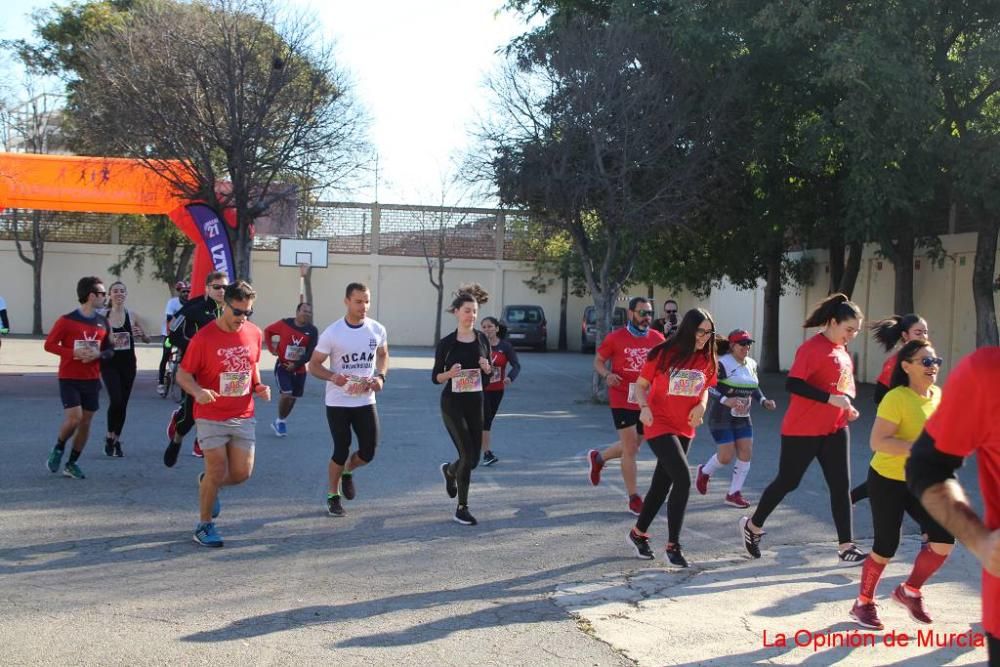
{"x":289,"y":384}
{"x":80,"y":393}
{"x":623,"y":418}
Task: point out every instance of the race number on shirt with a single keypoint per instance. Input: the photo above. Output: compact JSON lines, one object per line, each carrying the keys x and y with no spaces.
{"x":294,"y":352}
{"x":631,"y":393}
{"x":234,"y":383}
{"x":357,"y":385}
{"x":121,"y":340}
{"x":467,"y":380}
{"x":83,"y":344}
{"x":496,"y":375}
{"x":739,"y":407}
{"x":686,"y":383}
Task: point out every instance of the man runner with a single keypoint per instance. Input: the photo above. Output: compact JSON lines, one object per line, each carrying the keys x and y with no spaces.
{"x":220,"y":369}
{"x":81,"y":340}
{"x":359,"y":359}
{"x":292,"y":340}
{"x":174,"y":305}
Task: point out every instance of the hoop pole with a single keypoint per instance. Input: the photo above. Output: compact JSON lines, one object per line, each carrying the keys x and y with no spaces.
{"x":303,"y":270}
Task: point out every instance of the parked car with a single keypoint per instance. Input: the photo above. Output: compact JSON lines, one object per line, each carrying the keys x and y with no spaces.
{"x":526,"y":326}
{"x":588,"y":329}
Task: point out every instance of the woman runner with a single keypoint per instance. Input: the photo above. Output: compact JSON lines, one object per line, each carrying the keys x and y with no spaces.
{"x":729,"y":415}
{"x":821,"y":384}
{"x":672,"y":392}
{"x":503,"y":355}
{"x":901,"y":416}
{"x":118,"y":372}
{"x":462,"y":365}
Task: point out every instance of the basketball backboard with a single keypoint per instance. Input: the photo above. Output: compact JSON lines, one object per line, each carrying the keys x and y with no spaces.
{"x":294,"y":252}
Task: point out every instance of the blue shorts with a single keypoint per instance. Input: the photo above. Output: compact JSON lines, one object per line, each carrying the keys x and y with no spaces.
{"x":289,"y":383}
{"x":727,"y":436}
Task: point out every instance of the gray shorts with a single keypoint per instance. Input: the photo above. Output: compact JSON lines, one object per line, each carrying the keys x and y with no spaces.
{"x":240,"y":432}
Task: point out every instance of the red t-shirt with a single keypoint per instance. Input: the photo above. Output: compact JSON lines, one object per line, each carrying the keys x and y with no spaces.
{"x":829,"y":368}
{"x":226,"y":363}
{"x":673,"y":394}
{"x":499,"y":363}
{"x":73,"y":331}
{"x":966,"y":423}
{"x":294,"y":345}
{"x":627,"y":354}
{"x":885,"y":377}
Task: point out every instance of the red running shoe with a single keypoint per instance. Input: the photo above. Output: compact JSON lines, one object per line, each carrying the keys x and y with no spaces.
{"x":866,"y":615}
{"x":172,"y":425}
{"x":914,"y":605}
{"x":737,"y":500}
{"x":196,"y":450}
{"x":701,"y":481}
{"x":635,"y":504}
{"x":596,"y":465}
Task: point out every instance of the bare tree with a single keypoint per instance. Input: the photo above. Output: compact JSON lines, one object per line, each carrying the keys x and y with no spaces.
{"x":438,"y":232}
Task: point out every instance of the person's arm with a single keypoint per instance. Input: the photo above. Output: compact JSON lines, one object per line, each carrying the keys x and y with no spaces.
{"x":4,"y":322}
{"x":381,"y":365}
{"x":269,"y":333}
{"x":439,"y":373}
{"x":512,"y":361}
{"x":54,"y":344}
{"x":601,"y":368}
{"x":313,"y":339}
{"x":883,"y":438}
{"x":804,"y":389}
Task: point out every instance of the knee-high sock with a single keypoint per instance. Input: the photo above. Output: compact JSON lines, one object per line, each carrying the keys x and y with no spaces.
{"x":740,"y":471}
{"x":711,"y":465}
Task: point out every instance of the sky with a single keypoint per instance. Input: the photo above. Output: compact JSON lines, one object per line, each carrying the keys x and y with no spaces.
{"x":418,"y":68}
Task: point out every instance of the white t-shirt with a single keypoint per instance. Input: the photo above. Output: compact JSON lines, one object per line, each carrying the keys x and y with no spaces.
{"x":351,"y":352}
{"x":173,"y":306}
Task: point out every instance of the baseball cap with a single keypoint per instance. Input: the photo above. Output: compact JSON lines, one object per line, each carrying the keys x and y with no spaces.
{"x":740,"y":336}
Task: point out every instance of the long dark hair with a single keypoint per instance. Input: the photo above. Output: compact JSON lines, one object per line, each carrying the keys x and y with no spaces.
{"x":887,"y":332}
{"x":899,"y":377}
{"x":501,"y":328}
{"x":680,"y":348}
{"x":835,"y":307}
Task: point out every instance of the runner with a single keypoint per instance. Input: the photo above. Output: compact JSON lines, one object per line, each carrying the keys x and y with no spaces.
{"x":220,"y":369}
{"x":292,"y":340}
{"x":672,"y":392}
{"x":889,"y":332}
{"x":462,"y":365}
{"x":965,"y":423}
{"x":192,"y":317}
{"x":174,"y":305}
{"x":901,"y":416}
{"x":626,"y":349}
{"x":503,"y":355}
{"x":729,"y":415}
{"x":118,"y":372}
{"x":667,"y":324}
{"x":4,"y":322}
{"x":821,"y":382}
{"x":358,"y":349}
{"x":80,"y":339}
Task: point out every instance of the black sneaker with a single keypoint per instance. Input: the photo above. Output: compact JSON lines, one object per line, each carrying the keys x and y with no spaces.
{"x":170,"y":453}
{"x":450,"y":486}
{"x":675,"y":556}
{"x":852,"y":555}
{"x":489,"y":458}
{"x":639,"y":542}
{"x":751,"y":540}
{"x":109,"y":447}
{"x":118,"y":449}
{"x":463,"y":516}
{"x":333,"y":506}
{"x":347,"y":486}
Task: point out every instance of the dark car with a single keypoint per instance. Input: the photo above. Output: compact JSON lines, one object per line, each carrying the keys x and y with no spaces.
{"x":526,"y":326}
{"x":588,"y":329}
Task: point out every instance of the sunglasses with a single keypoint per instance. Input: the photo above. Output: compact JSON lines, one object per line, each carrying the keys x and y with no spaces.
{"x":927,"y":362}
{"x":239,"y":312}
{"x":217,"y":286}
{"x":744,"y":343}
{"x":704,"y":332}
{"x":670,"y":312}
{"x":644,"y":313}
{"x":99,"y":293}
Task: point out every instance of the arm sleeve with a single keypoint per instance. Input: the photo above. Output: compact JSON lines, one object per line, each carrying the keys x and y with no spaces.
{"x":269,"y":331}
{"x":927,"y":465}
{"x":3,"y":318}
{"x":796,"y":385}
{"x":714,"y":390}
{"x":515,"y":363}
{"x":440,"y":356}
{"x":53,"y":342}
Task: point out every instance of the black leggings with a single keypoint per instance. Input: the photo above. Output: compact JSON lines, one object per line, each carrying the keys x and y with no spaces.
{"x":184,"y":417}
{"x":993,"y":650}
{"x":491,"y":405}
{"x":118,"y":376}
{"x":670,"y":478}
{"x":889,"y":499}
{"x":364,"y":421}
{"x":797,"y":453}
{"x":164,"y":358}
{"x":463,"y":417}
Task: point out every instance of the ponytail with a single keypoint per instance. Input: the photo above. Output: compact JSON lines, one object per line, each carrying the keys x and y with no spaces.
{"x":835,"y":307}
{"x":888,"y":332}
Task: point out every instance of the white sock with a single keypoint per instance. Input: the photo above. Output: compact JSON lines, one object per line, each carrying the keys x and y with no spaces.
{"x":279,"y":420}
{"x":740,"y":471}
{"x":711,"y":465}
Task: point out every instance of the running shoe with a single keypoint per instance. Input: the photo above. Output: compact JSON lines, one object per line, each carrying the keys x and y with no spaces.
{"x":737,"y":500}
{"x":914,"y":605}
{"x":751,"y":540}
{"x":118,"y":449}
{"x":172,"y":424}
{"x":109,"y":447}
{"x":635,"y":504}
{"x":73,"y":470}
{"x":196,"y":450}
{"x":333,"y":506}
{"x":866,"y":615}
{"x":489,"y":458}
{"x":675,"y":556}
{"x":206,"y":535}
{"x":596,"y":465}
{"x":217,"y":505}
{"x":161,"y":390}
{"x":463,"y":516}
{"x":280,"y":428}
{"x":450,"y":486}
{"x":640,"y":543}
{"x":701,"y":482}
{"x":170,"y":453}
{"x":347,"y":486}
{"x":852,"y":555}
{"x":55,"y":458}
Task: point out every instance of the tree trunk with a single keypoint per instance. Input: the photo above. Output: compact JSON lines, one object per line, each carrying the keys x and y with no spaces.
{"x":852,"y":267}
{"x":38,"y":252}
{"x":241,"y":253}
{"x":902,"y":301}
{"x":770,"y":359}
{"x":983,"y":282}
{"x":563,"y":307}
{"x":604,"y":304}
{"x":440,"y":302}
{"x":837,"y":252}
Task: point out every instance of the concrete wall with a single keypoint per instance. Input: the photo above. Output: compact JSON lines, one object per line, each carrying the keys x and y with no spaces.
{"x":405,"y":301}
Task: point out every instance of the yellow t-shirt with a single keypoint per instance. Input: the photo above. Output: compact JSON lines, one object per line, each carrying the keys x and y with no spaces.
{"x":908,"y":410}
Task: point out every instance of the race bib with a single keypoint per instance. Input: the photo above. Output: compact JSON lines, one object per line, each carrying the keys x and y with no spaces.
{"x":845,"y":385}
{"x":234,"y":383}
{"x":294,"y":352}
{"x":467,"y":380}
{"x":631,"y":393}
{"x":121,"y":340}
{"x":686,"y":383}
{"x":357,"y":385}
{"x":92,"y":345}
{"x":496,"y":375}
{"x":739,"y":407}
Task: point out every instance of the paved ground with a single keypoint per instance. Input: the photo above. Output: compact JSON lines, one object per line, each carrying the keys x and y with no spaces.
{"x":103,"y":571}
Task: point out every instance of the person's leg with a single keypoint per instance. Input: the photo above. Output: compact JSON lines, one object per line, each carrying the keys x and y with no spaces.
{"x":630,"y":440}
{"x":659,"y":486}
{"x":364,"y":421}
{"x":835,"y":460}
{"x":465,"y":429}
{"x":797,"y":452}
{"x":675,"y":459}
{"x":128,"y":382}
{"x":724,"y":454}
{"x":69,"y":394}
{"x":992,"y":650}
{"x":112,"y":377}
{"x":491,"y":405}
{"x":339,"y":421}
{"x":744,"y":451}
{"x":859,"y":493}
{"x":929,"y":560}
{"x":164,"y":357}
{"x":89,"y":405}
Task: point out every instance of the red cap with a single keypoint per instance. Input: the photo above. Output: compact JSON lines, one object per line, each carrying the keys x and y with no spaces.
{"x":740,"y":336}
